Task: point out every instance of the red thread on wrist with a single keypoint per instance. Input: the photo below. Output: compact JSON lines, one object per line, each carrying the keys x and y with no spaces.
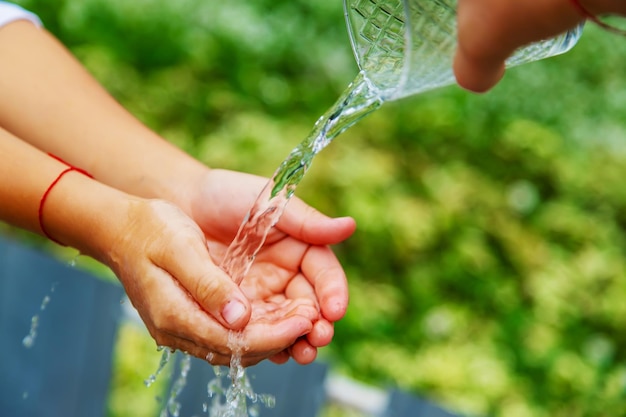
{"x":593,"y":18}
{"x":44,"y":197}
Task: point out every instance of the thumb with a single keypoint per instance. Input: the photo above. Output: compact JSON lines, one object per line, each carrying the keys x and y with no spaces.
{"x":218,"y":294}
{"x":209,"y":285}
{"x":476,"y":75}
{"x":305,"y":223}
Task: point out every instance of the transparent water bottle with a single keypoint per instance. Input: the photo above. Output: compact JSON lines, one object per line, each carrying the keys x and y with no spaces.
{"x":405,"y":47}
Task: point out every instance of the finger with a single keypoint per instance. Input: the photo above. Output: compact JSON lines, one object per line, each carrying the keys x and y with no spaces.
{"x":302,"y":352}
{"x":263,"y":336}
{"x":311,"y":226}
{"x":477,"y":74}
{"x":189,"y":261}
{"x":256,"y":343}
{"x":176,"y":321}
{"x":190,"y":348}
{"x":171,"y":311}
{"x":322,"y":334}
{"x":213,"y":358}
{"x":490,"y":31}
{"x":299,"y":288}
{"x":274,"y":312}
{"x":287,"y":255}
{"x":280,"y":358}
{"x":480,"y":55}
{"x":322,"y":269}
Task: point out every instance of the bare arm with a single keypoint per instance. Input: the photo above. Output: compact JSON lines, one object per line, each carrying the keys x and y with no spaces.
{"x":48,"y":99}
{"x":71,"y":207}
{"x":156,"y":252}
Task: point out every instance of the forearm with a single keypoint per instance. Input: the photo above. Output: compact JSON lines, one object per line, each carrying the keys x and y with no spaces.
{"x":78,"y":211}
{"x":48,"y":99}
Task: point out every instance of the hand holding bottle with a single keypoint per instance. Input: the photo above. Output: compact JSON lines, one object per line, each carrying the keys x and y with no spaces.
{"x":489,"y":31}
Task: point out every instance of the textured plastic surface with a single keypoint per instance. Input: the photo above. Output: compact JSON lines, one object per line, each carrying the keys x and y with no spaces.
{"x":406,"y":46}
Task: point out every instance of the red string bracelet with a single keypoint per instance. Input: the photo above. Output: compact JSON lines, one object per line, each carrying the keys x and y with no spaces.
{"x":593,"y":18}
{"x":44,"y":197}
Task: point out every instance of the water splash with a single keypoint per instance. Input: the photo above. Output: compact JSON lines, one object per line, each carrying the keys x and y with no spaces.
{"x":29,"y":339}
{"x":172,"y":408}
{"x":360,"y":99}
{"x":236,"y":399}
{"x":165,"y":358}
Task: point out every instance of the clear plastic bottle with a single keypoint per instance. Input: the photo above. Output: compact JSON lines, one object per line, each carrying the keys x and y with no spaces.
{"x":405,"y":47}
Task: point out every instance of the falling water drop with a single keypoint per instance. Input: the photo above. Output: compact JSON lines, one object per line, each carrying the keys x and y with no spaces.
{"x":165,"y":358}
{"x":29,"y":340}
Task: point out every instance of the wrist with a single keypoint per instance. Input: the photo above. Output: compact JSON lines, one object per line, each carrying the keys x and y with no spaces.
{"x":87,"y":215}
{"x":156,"y":169}
{"x":182,"y":182}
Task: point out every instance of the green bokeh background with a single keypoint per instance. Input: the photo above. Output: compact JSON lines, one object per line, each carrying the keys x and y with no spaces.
{"x":487,"y":272}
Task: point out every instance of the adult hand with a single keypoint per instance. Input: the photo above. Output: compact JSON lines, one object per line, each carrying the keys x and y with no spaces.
{"x":489,"y":31}
{"x":162,"y":258}
{"x":295,"y":265}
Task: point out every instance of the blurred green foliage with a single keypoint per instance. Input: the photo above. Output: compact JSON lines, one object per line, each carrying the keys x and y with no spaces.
{"x":488,"y":269}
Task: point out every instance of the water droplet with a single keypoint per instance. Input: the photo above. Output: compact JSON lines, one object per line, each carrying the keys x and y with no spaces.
{"x":165,"y":358}
{"x":268,"y":400}
{"x":173,"y":405}
{"x":29,"y":339}
{"x":44,"y":302}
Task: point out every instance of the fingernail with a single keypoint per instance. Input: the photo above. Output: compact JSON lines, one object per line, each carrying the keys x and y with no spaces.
{"x":233,"y":312}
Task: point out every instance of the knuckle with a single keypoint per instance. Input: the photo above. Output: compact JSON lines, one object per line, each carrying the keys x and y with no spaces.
{"x":206,"y":292}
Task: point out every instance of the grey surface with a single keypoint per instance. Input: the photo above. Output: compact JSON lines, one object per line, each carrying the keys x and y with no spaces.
{"x":298,"y":390}
{"x":402,"y":404}
{"x":67,"y":370}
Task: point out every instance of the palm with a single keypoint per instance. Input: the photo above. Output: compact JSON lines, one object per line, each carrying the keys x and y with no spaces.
{"x":274,"y":284}
{"x":294,"y":269}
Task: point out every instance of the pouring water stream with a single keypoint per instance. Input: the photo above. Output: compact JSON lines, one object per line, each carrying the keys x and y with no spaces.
{"x":358,"y":100}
